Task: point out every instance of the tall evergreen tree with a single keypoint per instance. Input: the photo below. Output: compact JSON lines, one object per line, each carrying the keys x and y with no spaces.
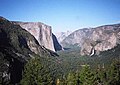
{"x":33,"y":73}
{"x":101,"y":77}
{"x":71,"y":79}
{"x":114,"y":73}
{"x":87,"y":77}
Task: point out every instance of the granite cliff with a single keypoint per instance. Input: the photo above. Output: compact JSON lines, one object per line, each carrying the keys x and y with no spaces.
{"x":94,"y":40}
{"x":17,"y":46}
{"x":42,"y":32}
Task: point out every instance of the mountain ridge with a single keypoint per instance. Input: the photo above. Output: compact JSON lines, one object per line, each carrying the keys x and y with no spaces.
{"x":42,"y":32}
{"x":17,"y":46}
{"x":108,"y":35}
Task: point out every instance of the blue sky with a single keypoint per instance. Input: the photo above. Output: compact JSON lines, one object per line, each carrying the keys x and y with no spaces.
{"x":63,"y":15}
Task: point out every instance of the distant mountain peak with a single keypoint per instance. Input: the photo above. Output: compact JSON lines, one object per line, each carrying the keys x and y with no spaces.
{"x":62,"y":35}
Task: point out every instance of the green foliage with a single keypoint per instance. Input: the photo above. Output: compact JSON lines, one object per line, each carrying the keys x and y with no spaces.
{"x":101,"y":76}
{"x":114,"y":73}
{"x":46,"y":70}
{"x":71,"y":79}
{"x":87,"y":77}
{"x":34,"y":75}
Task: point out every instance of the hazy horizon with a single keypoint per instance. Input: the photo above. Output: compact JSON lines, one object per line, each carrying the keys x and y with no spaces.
{"x":63,"y":15}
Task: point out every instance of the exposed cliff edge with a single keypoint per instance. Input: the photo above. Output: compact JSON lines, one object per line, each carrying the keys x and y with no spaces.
{"x":57,"y":46}
{"x":94,"y":40}
{"x":17,"y":46}
{"x":42,"y":32}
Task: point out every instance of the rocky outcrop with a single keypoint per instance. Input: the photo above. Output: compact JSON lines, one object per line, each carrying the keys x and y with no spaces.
{"x":76,"y":38}
{"x":94,"y":40}
{"x":102,"y":38}
{"x":17,"y":46}
{"x":42,"y":32}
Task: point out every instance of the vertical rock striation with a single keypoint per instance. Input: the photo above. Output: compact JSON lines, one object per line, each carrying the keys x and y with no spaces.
{"x":17,"y":46}
{"x":42,"y":32}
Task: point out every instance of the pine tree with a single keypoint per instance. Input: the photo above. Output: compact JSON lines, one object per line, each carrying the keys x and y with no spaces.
{"x":33,"y":74}
{"x":114,"y":73}
{"x":71,"y":79}
{"x":77,"y":78}
{"x":101,"y":76}
{"x":87,"y":77}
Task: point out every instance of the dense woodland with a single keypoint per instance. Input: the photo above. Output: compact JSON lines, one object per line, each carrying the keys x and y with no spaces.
{"x":69,"y":68}
{"x":37,"y":74}
{"x":73,"y":69}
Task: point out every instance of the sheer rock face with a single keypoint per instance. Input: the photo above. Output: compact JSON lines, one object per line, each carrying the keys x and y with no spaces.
{"x":40,"y":31}
{"x":17,"y":46}
{"x":57,"y":46}
{"x":98,"y":39}
{"x":102,"y":38}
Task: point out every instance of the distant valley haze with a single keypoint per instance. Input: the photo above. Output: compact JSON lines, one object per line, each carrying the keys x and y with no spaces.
{"x":63,"y":15}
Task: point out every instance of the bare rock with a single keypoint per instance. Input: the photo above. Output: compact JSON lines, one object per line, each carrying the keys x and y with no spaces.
{"x":42,"y":32}
{"x":94,"y":39}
